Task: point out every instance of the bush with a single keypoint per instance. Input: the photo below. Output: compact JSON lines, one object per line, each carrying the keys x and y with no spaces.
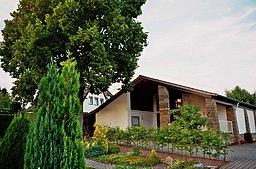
{"x":248,"y":137}
{"x":94,"y":151}
{"x":120,"y":159}
{"x":153,"y":157}
{"x":136,"y":151}
{"x":131,"y":167}
{"x":183,"y":164}
{"x":13,"y":144}
{"x":114,"y":149}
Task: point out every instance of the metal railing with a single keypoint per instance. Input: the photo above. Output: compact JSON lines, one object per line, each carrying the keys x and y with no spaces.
{"x":226,"y":126}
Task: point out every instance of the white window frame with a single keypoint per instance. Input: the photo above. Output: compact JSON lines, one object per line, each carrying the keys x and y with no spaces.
{"x":90,"y":100}
{"x":96,"y":101}
{"x":135,"y":118}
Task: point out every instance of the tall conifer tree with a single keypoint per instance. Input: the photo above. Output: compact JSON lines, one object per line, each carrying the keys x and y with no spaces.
{"x":73,"y":156}
{"x":45,"y":142}
{"x":55,"y":140}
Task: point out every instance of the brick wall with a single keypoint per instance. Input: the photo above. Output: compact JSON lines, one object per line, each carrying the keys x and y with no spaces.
{"x":164,"y":105}
{"x":231,"y":116}
{"x":211,"y":111}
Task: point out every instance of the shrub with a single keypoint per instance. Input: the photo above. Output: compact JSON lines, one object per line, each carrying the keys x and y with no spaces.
{"x":136,"y":151}
{"x":120,"y":159}
{"x":13,"y":144}
{"x":248,"y":137}
{"x":183,"y":164}
{"x":114,"y":149}
{"x":153,"y":157}
{"x":94,"y":151}
{"x":131,"y":167}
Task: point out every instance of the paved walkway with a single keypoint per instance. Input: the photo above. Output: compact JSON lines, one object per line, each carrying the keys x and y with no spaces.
{"x":242,"y":157}
{"x":98,"y":165}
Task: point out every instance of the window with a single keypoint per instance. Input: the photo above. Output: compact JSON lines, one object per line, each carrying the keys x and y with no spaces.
{"x":96,"y":99}
{"x":101,"y":100}
{"x":135,"y":120}
{"x":178,"y":103}
{"x":90,"y":100}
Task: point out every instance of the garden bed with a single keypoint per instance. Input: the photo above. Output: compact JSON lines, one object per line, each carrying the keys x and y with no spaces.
{"x":163,"y":155}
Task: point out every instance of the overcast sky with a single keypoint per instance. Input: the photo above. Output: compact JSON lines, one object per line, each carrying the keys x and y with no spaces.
{"x":206,"y":44}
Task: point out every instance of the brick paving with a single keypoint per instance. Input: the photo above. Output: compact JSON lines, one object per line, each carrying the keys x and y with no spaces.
{"x":242,"y":157}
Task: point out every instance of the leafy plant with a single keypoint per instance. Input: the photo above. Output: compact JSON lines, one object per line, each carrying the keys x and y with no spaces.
{"x":136,"y":151}
{"x":131,"y":160}
{"x":186,"y":128}
{"x":177,"y":164}
{"x":94,"y":151}
{"x":131,"y":167}
{"x":153,"y":156}
{"x":114,"y":149}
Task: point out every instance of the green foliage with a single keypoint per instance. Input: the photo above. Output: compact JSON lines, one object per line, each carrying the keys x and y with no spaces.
{"x":45,"y":141}
{"x":95,"y":151}
{"x":132,"y":160}
{"x":153,"y":157}
{"x":136,"y":151}
{"x":100,"y":136}
{"x":115,"y":134}
{"x":187,"y":127}
{"x":177,"y":164}
{"x":5,"y":120}
{"x":215,"y":143}
{"x":137,"y":134}
{"x":248,"y":137}
{"x":114,"y":149}
{"x":105,"y":38}
{"x":131,"y":167}
{"x":73,"y":156}
{"x":241,"y":95}
{"x":13,"y":144}
{"x":184,"y":134}
{"x":55,"y":139}
{"x":5,"y":99}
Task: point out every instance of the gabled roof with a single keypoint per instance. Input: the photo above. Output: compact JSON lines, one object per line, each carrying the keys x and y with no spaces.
{"x":173,"y":85}
{"x":182,"y":88}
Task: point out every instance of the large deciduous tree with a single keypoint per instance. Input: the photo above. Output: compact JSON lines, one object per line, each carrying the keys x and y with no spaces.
{"x":242,"y":95}
{"x":104,"y":36}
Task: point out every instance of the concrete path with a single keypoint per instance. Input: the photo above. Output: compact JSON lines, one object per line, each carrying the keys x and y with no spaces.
{"x":242,"y":157}
{"x":98,"y":165}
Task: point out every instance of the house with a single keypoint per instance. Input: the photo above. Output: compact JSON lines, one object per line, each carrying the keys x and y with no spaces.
{"x":92,"y":101}
{"x":151,"y":100}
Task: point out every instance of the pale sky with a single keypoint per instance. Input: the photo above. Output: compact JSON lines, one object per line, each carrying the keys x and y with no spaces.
{"x":206,"y":44}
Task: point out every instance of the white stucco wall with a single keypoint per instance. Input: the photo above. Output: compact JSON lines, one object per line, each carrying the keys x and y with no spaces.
{"x":147,"y":119}
{"x":250,"y":114}
{"x":115,"y":114}
{"x":240,"y":120}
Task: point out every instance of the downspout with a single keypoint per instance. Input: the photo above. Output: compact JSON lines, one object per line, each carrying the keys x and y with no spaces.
{"x":236,"y":125}
{"x":237,"y":105}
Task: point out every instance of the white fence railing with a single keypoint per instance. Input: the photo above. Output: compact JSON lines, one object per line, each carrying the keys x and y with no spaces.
{"x":226,"y":126}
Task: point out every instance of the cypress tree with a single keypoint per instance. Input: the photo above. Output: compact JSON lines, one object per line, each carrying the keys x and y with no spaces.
{"x":73,"y":156}
{"x":44,"y":146}
{"x":55,"y":139}
{"x":12,"y":147}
